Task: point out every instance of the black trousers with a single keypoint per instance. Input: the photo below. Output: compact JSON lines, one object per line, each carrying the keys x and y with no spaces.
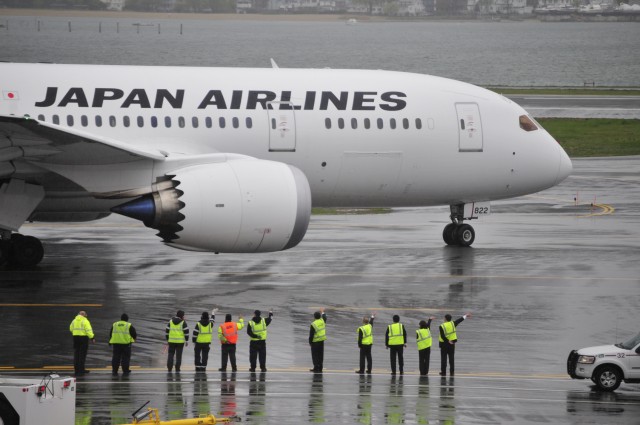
{"x":396,"y":351}
{"x":317,"y":355}
{"x":121,"y":356}
{"x":423,"y":360}
{"x":201,"y":352}
{"x":175,"y":349}
{"x":258,"y":350}
{"x":447,"y":350}
{"x":80,"y":349}
{"x":229,"y":352}
{"x":365,"y":354}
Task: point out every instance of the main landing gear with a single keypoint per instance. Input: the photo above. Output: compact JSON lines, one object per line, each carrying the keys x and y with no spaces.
{"x":457,"y":232}
{"x":20,"y":250}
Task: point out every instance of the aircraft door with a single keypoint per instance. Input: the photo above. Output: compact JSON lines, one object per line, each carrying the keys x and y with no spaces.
{"x":469,"y":127}
{"x":282,"y":127}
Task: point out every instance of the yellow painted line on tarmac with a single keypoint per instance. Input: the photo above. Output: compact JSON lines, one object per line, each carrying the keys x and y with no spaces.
{"x":300,"y":369}
{"x":6,"y":367}
{"x":48,"y":305}
{"x":605,"y":210}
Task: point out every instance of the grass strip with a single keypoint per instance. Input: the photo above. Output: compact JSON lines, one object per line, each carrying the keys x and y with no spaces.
{"x":591,"y":137}
{"x":566,"y":91}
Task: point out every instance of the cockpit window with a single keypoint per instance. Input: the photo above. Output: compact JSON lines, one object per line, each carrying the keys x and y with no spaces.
{"x":527,"y":123}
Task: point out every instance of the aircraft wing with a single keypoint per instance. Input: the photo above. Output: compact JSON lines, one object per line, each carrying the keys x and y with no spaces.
{"x":23,"y":137}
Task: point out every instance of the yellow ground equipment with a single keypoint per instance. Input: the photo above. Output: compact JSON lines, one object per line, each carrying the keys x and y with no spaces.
{"x":152,"y":417}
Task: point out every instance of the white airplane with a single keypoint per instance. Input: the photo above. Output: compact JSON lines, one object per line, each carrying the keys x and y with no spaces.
{"x":229,"y":159}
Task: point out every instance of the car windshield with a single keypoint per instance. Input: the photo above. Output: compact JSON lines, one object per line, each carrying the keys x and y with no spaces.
{"x":628,"y":345}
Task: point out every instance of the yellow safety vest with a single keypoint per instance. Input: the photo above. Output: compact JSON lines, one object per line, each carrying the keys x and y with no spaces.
{"x":320,"y":333}
{"x":449,"y":329}
{"x":259,"y":330}
{"x":424,"y":338}
{"x":396,"y":334}
{"x":367,"y":335}
{"x":176,"y":334}
{"x":80,"y":326}
{"x":120,"y":333}
{"x":205,"y":334}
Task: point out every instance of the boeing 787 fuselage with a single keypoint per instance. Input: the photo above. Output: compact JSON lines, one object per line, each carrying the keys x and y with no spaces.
{"x":232,"y":159}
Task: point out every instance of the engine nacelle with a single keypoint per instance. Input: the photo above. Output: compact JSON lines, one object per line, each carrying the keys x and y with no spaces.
{"x":246,"y":205}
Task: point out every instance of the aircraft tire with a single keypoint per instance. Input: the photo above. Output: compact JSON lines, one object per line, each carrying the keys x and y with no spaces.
{"x":465,"y":235}
{"x":449,"y":234}
{"x":25,"y":251}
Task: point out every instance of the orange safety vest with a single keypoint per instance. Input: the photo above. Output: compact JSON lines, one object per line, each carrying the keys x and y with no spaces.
{"x":230,"y":332}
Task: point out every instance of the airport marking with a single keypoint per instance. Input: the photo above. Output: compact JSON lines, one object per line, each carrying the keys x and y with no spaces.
{"x":606,"y":210}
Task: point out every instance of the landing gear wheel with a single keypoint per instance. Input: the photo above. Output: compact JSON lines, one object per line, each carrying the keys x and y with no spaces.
{"x":25,"y":251}
{"x":449,"y":234}
{"x":465,"y":235}
{"x":608,"y":378}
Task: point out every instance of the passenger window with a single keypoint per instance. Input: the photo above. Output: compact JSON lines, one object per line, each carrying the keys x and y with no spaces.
{"x":327,"y":123}
{"x":84,"y":120}
{"x":249,"y":122}
{"x":181,"y":122}
{"x":140,"y":122}
{"x":55,"y":119}
{"x":112,"y":121}
{"x":418,"y":123}
{"x":70,"y":120}
{"x":392,"y":123}
{"x":154,"y":121}
{"x":405,"y":123}
{"x":222,"y":122}
{"x":367,"y":123}
{"x":167,"y":122}
{"x":340,"y":123}
{"x":380,"y":123}
{"x":40,"y":117}
{"x":98,"y":121}
{"x":208,"y":122}
{"x":273,"y":123}
{"x":431,"y":124}
{"x":194,"y":122}
{"x":126,"y":121}
{"x":236,"y":122}
{"x":354,"y":123}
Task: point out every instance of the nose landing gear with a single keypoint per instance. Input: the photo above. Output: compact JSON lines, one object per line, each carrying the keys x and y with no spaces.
{"x":457,"y":232}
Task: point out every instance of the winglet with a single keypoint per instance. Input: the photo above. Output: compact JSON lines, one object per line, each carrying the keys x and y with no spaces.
{"x":274,"y":65}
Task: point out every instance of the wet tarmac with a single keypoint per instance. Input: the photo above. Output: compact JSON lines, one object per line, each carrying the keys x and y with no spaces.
{"x":544,"y":276}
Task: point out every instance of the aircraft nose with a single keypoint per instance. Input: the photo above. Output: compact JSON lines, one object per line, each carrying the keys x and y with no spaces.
{"x":565,"y":167}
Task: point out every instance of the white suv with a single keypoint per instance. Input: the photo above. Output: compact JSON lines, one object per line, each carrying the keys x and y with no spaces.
{"x":607,"y":365}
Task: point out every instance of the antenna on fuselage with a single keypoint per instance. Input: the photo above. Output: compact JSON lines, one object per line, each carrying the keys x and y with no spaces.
{"x":274,"y":65}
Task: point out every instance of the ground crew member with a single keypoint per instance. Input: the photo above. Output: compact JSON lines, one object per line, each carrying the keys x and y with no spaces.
{"x":81,"y":330}
{"x":228,"y":336}
{"x":121,"y":336}
{"x":257,"y":331}
{"x":365,"y":342}
{"x":448,"y":339}
{"x":317,"y":337}
{"x":423,"y":339}
{"x":395,"y":340}
{"x":177,"y":335}
{"x":202,"y":336}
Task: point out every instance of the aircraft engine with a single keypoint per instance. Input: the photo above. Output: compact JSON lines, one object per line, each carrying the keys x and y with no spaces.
{"x":247,"y":205}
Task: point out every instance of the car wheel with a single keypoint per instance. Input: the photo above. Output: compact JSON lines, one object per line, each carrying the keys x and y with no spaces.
{"x":608,"y":378}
